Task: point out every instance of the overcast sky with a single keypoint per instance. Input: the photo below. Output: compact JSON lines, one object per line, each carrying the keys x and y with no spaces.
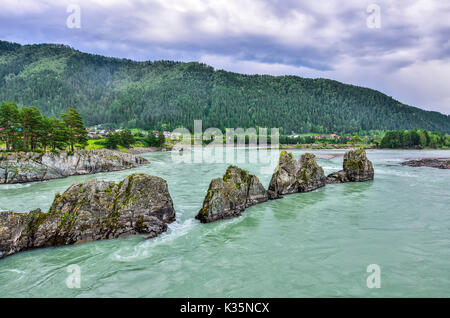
{"x":405,"y":53}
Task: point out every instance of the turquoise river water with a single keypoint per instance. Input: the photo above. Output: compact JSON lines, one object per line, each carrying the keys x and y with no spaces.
{"x":315,"y":244}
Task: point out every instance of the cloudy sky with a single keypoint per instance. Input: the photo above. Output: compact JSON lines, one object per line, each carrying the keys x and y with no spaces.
{"x":404,"y":51}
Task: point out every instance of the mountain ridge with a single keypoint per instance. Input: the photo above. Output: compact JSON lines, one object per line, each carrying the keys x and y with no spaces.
{"x":169,"y":94}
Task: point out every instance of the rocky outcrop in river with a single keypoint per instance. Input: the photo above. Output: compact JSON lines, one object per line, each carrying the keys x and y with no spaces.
{"x":95,"y":210}
{"x":228,"y":196}
{"x":440,"y":163}
{"x":292,"y":176}
{"x":28,"y":167}
{"x":356,"y":168}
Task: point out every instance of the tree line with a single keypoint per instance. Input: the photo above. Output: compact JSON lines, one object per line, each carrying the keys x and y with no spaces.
{"x":26,"y":129}
{"x":417,"y":138}
{"x":125,"y":139}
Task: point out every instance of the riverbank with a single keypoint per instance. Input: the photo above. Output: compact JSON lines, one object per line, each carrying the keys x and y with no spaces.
{"x":325,"y":146}
{"x":22,"y":167}
{"x":142,"y":150}
{"x":349,"y":146}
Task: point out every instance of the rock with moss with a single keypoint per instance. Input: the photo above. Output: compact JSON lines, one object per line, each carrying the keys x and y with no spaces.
{"x":29,"y":167}
{"x":356,"y":168}
{"x":95,"y":210}
{"x":230,"y":195}
{"x":292,"y":176}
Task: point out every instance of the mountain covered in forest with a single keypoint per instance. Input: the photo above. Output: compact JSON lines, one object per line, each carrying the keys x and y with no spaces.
{"x":167,"y":94}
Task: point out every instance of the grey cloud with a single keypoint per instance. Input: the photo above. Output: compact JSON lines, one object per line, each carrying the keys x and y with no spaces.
{"x":139,"y":31}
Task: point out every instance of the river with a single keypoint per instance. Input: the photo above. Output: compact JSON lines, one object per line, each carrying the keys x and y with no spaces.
{"x":316,"y":244}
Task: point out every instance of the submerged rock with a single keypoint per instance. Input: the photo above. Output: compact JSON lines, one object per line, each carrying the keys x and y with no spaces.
{"x":29,"y":167}
{"x":292,"y":176}
{"x":356,"y":168}
{"x":440,"y":163}
{"x":228,"y":196}
{"x":95,"y":210}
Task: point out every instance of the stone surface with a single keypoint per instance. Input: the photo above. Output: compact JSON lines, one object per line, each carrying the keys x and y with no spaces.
{"x":356,"y":166}
{"x":337,"y":177}
{"x":440,"y":163}
{"x":228,"y":196}
{"x":95,"y":210}
{"x":29,"y":167}
{"x":292,"y":176}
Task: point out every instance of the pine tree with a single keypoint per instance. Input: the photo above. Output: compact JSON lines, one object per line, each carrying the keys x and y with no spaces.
{"x":10,"y":122}
{"x":152,"y":140}
{"x":126,"y":138}
{"x":46,"y":132}
{"x":112,"y":140}
{"x":77,"y":133}
{"x":31,"y":120}
{"x":161,"y":139}
{"x":59,"y":133}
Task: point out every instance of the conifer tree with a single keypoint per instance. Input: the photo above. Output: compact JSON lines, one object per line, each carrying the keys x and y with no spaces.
{"x":10,"y":122}
{"x":31,"y":120}
{"x":76,"y":131}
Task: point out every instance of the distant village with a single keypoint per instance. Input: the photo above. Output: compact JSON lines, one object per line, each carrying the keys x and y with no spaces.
{"x":332,"y":136}
{"x":96,"y":132}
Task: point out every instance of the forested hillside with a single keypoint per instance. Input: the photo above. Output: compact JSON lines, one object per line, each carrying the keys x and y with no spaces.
{"x":165,"y":95}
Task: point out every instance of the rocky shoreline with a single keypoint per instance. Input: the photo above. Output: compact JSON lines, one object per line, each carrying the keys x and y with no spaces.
{"x":142,"y":150}
{"x":440,"y":163}
{"x":21,"y":167}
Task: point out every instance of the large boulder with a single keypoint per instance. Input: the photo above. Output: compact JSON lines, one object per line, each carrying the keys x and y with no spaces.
{"x":230,"y":195}
{"x":95,"y":210}
{"x":356,"y":168}
{"x":292,"y":176}
{"x":23,"y":167}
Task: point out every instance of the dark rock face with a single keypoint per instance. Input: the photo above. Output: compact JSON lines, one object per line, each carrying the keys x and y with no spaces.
{"x":356,"y":168}
{"x":291,"y":176}
{"x":337,"y":177}
{"x":29,"y":167}
{"x":95,"y":210}
{"x":440,"y":163}
{"x":228,"y":196}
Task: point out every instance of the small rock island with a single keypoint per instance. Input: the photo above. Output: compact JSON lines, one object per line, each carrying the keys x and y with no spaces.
{"x":91,"y":211}
{"x":230,"y":195}
{"x":356,"y":168}
{"x":292,"y":176}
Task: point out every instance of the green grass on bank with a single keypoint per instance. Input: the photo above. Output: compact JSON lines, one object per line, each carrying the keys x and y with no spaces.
{"x":96,"y":144}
